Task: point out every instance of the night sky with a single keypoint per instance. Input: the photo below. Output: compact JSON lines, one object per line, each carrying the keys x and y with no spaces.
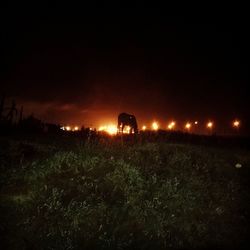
{"x":85,"y":68}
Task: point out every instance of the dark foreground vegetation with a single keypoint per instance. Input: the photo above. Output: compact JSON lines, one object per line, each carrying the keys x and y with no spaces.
{"x":62,"y":192}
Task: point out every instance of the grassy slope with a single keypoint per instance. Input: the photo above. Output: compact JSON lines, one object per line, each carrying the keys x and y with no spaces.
{"x":59,"y":196}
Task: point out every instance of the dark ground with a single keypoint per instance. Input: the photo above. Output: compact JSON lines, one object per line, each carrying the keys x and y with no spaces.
{"x":63,"y":192}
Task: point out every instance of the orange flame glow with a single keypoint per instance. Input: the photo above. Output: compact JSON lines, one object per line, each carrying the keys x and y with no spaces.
{"x":155,"y":126}
{"x":110,"y":129}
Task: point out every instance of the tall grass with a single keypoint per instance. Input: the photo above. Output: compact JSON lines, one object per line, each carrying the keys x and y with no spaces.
{"x":116,"y":196}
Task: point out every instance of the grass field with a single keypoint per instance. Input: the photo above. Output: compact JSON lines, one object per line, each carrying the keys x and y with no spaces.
{"x":61,"y":193}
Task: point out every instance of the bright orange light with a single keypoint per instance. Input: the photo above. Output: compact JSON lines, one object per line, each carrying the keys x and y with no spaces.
{"x":110,"y":129}
{"x":126,"y":130}
{"x":102,"y":128}
{"x":210,"y":125}
{"x":171,"y":125}
{"x":188,"y":126}
{"x":76,"y":128}
{"x":196,"y":122}
{"x":236,"y":123}
{"x":144,"y":127}
{"x":155,"y":126}
{"x":68,"y":128}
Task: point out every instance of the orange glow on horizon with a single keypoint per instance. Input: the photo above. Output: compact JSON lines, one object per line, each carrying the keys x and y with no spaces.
{"x":155,"y":126}
{"x":110,"y":129}
{"x":102,"y":128}
{"x":69,"y":128}
{"x":109,"y":126}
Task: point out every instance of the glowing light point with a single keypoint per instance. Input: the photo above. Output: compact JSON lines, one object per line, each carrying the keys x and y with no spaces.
{"x":196,"y":122}
{"x":68,"y":128}
{"x":144,"y":127}
{"x":238,"y":165}
{"x":236,"y":123}
{"x":171,"y":125}
{"x":188,"y":126}
{"x":76,"y":128}
{"x":210,"y":125}
{"x":155,"y":126}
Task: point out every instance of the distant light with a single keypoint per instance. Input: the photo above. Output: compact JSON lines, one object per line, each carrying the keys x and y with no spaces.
{"x":68,"y":128}
{"x":187,"y":125}
{"x":76,"y":128}
{"x":155,"y":126}
{"x":196,"y":122}
{"x":171,"y":125}
{"x":210,"y":125}
{"x":238,"y":165}
{"x":62,"y":128}
{"x":236,"y":123}
{"x":102,"y":128}
{"x":144,"y":127}
{"x":126,"y":130}
{"x":111,"y":129}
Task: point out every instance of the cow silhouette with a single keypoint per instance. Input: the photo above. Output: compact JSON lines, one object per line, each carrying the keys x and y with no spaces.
{"x":125,"y":119}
